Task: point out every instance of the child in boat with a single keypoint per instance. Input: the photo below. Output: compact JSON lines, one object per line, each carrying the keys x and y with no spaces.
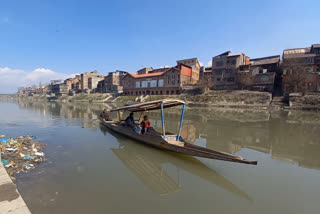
{"x":145,"y":124}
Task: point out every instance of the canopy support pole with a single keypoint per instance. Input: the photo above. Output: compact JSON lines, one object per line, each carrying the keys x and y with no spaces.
{"x":119,"y":116}
{"x":162,"y":119}
{"x":140,"y":118}
{"x":181,"y":121}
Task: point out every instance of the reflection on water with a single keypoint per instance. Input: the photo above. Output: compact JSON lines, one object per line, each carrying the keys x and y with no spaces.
{"x":148,"y":167}
{"x":291,"y":136}
{"x":92,"y":170}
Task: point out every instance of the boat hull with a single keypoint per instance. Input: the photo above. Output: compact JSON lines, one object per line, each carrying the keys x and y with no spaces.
{"x":158,"y":142}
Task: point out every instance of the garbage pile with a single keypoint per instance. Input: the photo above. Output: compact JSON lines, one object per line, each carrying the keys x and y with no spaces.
{"x":20,"y":153}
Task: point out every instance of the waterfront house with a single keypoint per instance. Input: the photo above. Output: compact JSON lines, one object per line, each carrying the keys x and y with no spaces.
{"x":58,"y":88}
{"x":301,"y":69}
{"x":162,"y":81}
{"x":195,"y":66}
{"x":86,"y":84}
{"x":260,"y":74}
{"x":73,"y":84}
{"x":224,"y":70}
{"x":111,"y":83}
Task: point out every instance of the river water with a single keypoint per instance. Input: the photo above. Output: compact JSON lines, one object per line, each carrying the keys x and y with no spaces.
{"x":90,"y":170}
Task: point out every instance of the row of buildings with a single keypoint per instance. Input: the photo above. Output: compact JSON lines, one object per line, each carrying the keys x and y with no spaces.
{"x":297,"y":71}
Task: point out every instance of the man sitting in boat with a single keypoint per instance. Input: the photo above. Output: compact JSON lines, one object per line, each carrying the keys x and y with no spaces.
{"x":145,"y":124}
{"x":105,"y":115}
{"x":130,"y":121}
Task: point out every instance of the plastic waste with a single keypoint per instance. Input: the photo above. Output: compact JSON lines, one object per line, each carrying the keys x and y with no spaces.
{"x":39,"y":153}
{"x":27,"y":165}
{"x":28,"y":157}
{"x":20,"y":153}
{"x":4,"y":141}
{"x":5,"y":162}
{"x":12,"y":149}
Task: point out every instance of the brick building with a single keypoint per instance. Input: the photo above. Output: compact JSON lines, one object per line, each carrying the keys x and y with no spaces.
{"x":224,"y":70}
{"x":195,"y":66}
{"x":205,"y":77}
{"x":301,"y":69}
{"x":93,"y":82}
{"x":86,"y":84}
{"x":74,"y":84}
{"x":57,"y":88}
{"x":260,"y":74}
{"x":112,"y":82}
{"x":157,"y":82}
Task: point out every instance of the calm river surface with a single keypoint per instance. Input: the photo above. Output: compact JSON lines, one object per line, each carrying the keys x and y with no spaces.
{"x":90,"y":170}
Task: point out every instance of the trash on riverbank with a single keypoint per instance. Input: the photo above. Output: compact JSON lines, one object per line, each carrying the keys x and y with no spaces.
{"x":20,"y":153}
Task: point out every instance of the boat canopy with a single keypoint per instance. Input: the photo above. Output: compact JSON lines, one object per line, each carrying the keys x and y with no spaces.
{"x":152,"y":105}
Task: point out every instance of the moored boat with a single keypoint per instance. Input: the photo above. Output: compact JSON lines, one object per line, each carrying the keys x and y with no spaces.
{"x":166,"y":140}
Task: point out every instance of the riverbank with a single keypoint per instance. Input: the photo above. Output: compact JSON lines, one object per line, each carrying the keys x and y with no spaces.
{"x":10,"y":199}
{"x":230,"y":99}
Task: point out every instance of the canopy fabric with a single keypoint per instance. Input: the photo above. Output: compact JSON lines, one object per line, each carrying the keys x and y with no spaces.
{"x":152,"y":105}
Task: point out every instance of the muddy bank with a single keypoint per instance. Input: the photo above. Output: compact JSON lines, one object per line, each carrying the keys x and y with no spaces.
{"x":232,"y":99}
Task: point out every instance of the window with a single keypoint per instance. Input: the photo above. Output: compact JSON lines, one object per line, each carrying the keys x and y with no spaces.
{"x":149,"y":84}
{"x":156,"y":92}
{"x":138,"y":84}
{"x":168,"y":79}
{"x":218,"y":72}
{"x":143,"y":84}
{"x":172,"y":91}
{"x":160,"y":92}
{"x":233,"y":62}
{"x":167,"y":92}
{"x":173,"y":79}
{"x":178,"y":78}
{"x":160,"y":83}
{"x":154,"y":83}
{"x":228,"y":71}
{"x":218,"y":79}
{"x":219,"y":63}
{"x":230,"y":79}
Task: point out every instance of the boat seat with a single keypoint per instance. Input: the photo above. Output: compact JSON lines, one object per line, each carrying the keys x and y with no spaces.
{"x":173,"y":140}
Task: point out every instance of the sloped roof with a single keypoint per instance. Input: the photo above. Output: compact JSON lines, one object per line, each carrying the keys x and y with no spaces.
{"x":265,"y":60}
{"x":297,"y":53}
{"x":149,"y":74}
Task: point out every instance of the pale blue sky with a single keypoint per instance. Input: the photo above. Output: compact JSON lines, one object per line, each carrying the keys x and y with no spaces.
{"x":73,"y":36}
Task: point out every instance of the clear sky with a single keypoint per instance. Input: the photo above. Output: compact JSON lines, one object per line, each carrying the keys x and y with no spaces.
{"x":43,"y":39}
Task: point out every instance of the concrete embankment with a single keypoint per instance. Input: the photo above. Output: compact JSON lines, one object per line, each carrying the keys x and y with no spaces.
{"x":10,"y":199}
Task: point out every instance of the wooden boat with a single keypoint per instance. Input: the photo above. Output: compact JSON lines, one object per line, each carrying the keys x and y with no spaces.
{"x":166,"y":140}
